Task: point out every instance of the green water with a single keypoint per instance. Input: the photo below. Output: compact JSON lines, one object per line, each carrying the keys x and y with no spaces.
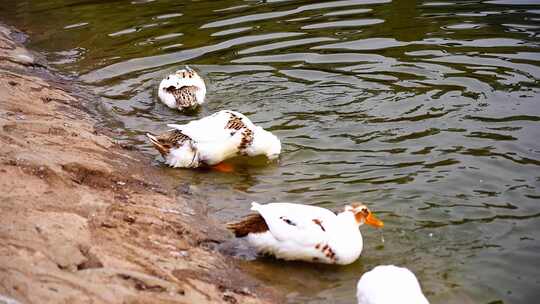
{"x":427,"y":111}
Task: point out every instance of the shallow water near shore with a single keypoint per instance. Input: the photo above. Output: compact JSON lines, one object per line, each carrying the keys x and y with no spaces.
{"x":427,"y":111}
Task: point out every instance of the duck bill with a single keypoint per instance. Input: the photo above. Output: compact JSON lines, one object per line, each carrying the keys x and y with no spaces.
{"x":374,"y":221}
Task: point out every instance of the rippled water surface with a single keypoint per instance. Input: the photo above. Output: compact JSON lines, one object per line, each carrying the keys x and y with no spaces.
{"x":427,"y":110}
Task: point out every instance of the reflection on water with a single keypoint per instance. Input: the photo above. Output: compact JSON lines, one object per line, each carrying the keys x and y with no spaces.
{"x":428,"y":111}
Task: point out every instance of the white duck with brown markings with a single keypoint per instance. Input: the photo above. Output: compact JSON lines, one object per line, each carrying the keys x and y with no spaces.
{"x":213,"y":139}
{"x":306,"y":233}
{"x":183,"y":90}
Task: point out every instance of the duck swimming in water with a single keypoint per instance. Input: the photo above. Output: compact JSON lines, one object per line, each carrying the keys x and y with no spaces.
{"x":389,"y":284}
{"x":306,"y":233}
{"x":213,"y":139}
{"x":183,"y":90}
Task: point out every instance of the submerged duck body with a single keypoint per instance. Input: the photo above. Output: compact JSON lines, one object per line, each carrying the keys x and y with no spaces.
{"x":213,"y":139}
{"x":183,"y":90}
{"x":306,"y":233}
{"x":389,"y":284}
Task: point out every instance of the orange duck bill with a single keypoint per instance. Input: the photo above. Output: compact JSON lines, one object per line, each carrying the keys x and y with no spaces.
{"x":372,"y":220}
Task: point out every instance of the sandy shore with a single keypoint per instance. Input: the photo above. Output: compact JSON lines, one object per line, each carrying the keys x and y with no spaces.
{"x":85,"y":220}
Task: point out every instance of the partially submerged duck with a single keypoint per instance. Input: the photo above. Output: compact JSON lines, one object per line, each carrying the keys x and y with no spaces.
{"x":307,"y":233}
{"x":389,"y":284}
{"x":183,"y":90}
{"x":212,"y":139}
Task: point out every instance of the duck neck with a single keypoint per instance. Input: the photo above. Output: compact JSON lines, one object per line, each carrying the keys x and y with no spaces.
{"x":345,"y":238}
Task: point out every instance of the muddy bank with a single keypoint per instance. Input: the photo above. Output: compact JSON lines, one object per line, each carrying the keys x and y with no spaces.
{"x":86,"y":220}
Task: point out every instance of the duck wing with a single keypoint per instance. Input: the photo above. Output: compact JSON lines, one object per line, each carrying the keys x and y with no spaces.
{"x":302,"y":224}
{"x":218,"y":127}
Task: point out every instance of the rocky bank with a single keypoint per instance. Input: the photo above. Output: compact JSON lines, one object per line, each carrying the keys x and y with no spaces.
{"x":85,"y":220}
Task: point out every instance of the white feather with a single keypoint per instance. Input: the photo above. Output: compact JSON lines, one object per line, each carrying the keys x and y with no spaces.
{"x":265,"y":143}
{"x":388,"y":284}
{"x":211,"y":142}
{"x":294,"y":235}
{"x":207,"y":129}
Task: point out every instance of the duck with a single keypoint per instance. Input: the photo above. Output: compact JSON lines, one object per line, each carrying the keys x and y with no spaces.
{"x":183,"y":90}
{"x":389,"y":284}
{"x":211,"y":140}
{"x":307,"y":233}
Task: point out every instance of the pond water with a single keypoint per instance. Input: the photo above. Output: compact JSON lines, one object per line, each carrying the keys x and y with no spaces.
{"x":428,"y":111}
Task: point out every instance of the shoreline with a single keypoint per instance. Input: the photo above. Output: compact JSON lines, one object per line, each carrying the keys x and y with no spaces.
{"x":88,"y":220}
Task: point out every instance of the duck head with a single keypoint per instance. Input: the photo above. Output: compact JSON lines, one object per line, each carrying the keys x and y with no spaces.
{"x":266,"y":143}
{"x":363,"y":215}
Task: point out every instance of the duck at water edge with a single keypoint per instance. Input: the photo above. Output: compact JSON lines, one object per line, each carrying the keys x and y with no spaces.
{"x":306,"y":233}
{"x":212,"y":139}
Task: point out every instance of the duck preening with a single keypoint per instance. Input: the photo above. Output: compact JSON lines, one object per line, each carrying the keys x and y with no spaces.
{"x":213,"y":139}
{"x":307,"y":233}
{"x":183,"y":90}
{"x":389,"y":284}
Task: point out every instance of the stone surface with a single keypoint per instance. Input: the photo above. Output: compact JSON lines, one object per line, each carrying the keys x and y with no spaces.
{"x":82,"y":219}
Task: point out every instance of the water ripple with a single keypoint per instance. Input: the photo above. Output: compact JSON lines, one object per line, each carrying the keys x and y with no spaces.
{"x":427,"y":111}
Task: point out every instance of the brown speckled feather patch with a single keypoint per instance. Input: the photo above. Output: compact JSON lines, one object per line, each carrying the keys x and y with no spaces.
{"x":319,"y":222}
{"x":174,"y":138}
{"x":187,"y":74}
{"x":247,"y":140}
{"x":170,"y":139}
{"x":185,"y":96}
{"x":235,"y":123}
{"x":252,"y":223}
{"x":327,"y":251}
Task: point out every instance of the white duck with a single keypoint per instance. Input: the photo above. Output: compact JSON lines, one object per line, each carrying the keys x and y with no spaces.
{"x":183,"y":90}
{"x":213,"y":139}
{"x":388,"y":284}
{"x":307,"y":233}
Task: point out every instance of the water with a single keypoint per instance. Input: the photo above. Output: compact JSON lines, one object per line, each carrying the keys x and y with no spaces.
{"x":426,"y":110}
